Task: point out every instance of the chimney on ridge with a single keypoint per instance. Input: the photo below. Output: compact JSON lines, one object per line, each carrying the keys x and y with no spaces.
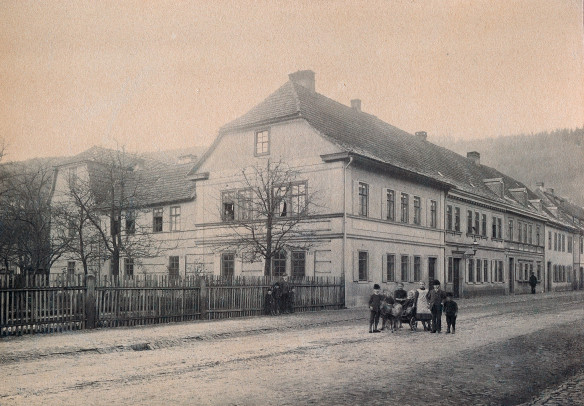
{"x":475,"y":156}
{"x":304,"y":78}
{"x":356,"y":104}
{"x":422,"y":134}
{"x":540,"y":185}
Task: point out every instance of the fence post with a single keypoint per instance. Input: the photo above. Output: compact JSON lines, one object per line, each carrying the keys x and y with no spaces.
{"x":90,"y":310}
{"x":203,"y":298}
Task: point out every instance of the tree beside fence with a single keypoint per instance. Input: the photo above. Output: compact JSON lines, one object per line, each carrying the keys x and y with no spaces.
{"x":45,"y":305}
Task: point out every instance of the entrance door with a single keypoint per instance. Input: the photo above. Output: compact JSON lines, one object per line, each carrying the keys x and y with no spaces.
{"x":431,"y":270}
{"x":456,"y":277}
{"x":549,"y":277}
{"x":511,"y":275}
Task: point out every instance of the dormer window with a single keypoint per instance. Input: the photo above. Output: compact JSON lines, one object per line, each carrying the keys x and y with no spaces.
{"x":262,"y":142}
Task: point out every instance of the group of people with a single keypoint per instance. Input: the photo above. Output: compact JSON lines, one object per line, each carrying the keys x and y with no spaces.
{"x":425,"y":306}
{"x":280,"y":299}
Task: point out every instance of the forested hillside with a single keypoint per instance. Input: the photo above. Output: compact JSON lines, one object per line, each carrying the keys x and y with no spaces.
{"x":555,"y":158}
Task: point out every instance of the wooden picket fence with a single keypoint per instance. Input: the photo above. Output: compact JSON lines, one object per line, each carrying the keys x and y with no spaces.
{"x":31,"y":305}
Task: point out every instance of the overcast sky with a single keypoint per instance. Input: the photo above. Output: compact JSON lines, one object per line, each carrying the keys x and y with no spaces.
{"x":154,"y":75}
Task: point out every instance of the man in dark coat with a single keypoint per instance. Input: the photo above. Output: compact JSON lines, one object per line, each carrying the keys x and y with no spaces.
{"x":532,"y":282}
{"x":435,"y":298}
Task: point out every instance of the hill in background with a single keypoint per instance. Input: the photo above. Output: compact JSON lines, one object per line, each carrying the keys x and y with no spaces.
{"x":555,"y":158}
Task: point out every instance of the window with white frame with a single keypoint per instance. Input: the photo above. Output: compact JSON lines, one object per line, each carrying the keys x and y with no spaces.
{"x":175,"y":218}
{"x":173,"y":266}
{"x":129,"y":266}
{"x":228,"y":264}
{"x":157,"y":220}
{"x":298,"y":264}
{"x":279,"y":263}
{"x":363,"y":199}
{"x":262,"y":142}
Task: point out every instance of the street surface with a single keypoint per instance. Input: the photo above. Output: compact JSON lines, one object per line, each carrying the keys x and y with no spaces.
{"x":506,"y":351}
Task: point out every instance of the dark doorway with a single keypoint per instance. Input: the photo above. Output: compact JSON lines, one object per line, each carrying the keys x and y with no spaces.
{"x":456,"y":277}
{"x":549,"y":277}
{"x":431,"y":270}
{"x":581,"y":285}
{"x":511,"y":275}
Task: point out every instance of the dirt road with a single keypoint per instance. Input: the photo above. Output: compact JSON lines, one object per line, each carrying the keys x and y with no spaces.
{"x":502,"y":353}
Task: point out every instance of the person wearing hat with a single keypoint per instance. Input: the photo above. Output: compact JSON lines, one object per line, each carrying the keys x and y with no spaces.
{"x":375,"y":309}
{"x":435,"y":298}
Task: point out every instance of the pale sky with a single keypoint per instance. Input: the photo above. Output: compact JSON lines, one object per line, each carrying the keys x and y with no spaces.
{"x":163,"y":75}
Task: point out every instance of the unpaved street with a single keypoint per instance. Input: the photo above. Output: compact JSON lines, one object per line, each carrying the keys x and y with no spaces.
{"x":503,"y":353}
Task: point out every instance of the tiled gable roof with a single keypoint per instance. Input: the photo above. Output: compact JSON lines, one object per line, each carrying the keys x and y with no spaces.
{"x":363,"y":134}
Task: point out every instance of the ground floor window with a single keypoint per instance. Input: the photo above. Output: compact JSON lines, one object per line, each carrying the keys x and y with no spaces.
{"x":390,"y":271}
{"x":417,"y":269}
{"x":363,"y":265}
{"x":479,"y":270}
{"x":486,"y":270}
{"x":173,"y":266}
{"x":71,"y":268}
{"x":227,"y":264}
{"x":129,"y":266}
{"x":471,"y":271}
{"x":298,"y":264}
{"x":405,"y":265}
{"x":279,"y":263}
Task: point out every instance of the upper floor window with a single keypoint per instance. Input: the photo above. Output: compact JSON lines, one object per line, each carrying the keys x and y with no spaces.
{"x":157,"y":220}
{"x":405,"y":201}
{"x":519,"y":231}
{"x":530,"y":234}
{"x":537,"y":235}
{"x":484,"y":225}
{"x":433,"y":214}
{"x":549,"y":240}
{"x":296,"y":198}
{"x":175,"y":218}
{"x":477,"y":223}
{"x":570,"y":243}
{"x":390,"y":205}
{"x":449,"y":217}
{"x":363,"y":199}
{"x":457,"y":219}
{"x":510,"y":230}
{"x":525,"y":233}
{"x":417,"y":210}
{"x":130,"y":222}
{"x":228,"y":205}
{"x":494,"y":228}
{"x":262,"y":142}
{"x":469,"y":222}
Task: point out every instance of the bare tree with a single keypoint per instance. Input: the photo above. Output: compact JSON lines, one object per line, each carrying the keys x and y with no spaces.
{"x":27,"y":218}
{"x":104,"y":211}
{"x":268,"y":213}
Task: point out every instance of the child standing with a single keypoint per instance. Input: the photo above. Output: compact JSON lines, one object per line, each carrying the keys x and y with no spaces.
{"x":270,"y":304}
{"x":451,"y":310}
{"x":375,"y":309}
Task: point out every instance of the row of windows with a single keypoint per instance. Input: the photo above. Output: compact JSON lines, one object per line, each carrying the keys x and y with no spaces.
{"x":390,"y":206}
{"x":158,"y":215}
{"x":524,"y":233}
{"x":410,"y":268}
{"x":524,"y":270}
{"x":483,"y":270}
{"x":279,"y":264}
{"x":562,"y":273}
{"x":559,"y":242}
{"x":290,"y":200}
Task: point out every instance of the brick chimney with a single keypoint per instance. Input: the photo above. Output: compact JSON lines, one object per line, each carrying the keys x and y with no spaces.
{"x":422,"y":134}
{"x":304,"y":78}
{"x":540,"y":185}
{"x":356,"y":104}
{"x":475,"y":156}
